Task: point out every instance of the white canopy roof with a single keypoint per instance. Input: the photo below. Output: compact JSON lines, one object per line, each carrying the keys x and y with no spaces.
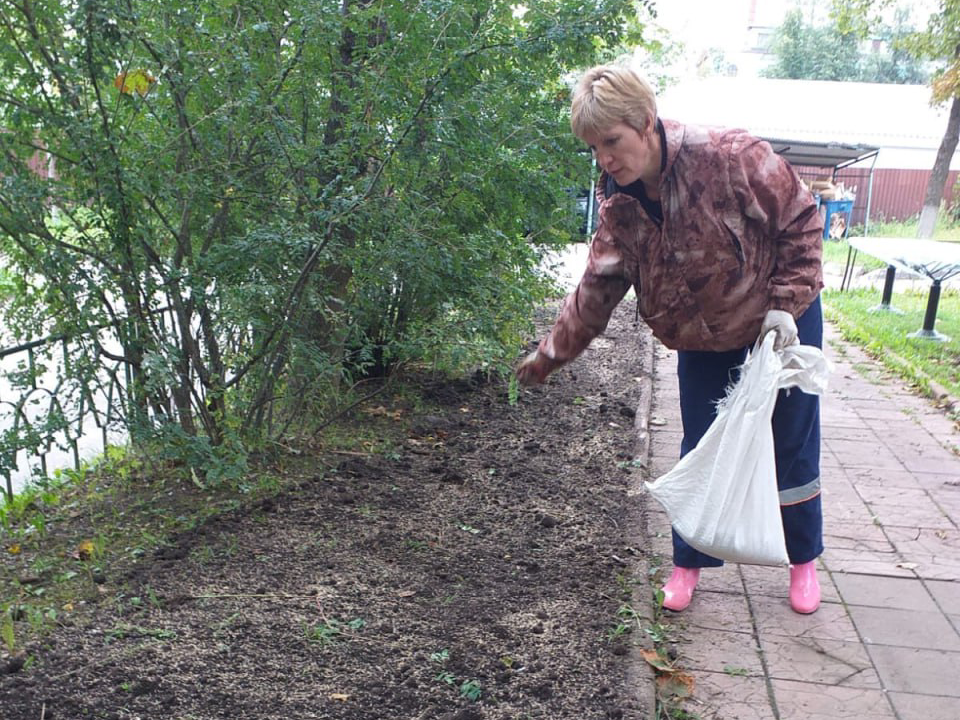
{"x":896,"y":118}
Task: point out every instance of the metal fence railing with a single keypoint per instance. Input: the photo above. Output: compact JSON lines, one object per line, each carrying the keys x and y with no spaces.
{"x":47,"y":411}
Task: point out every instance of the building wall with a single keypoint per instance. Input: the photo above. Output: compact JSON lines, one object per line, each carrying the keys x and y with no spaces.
{"x":898,"y":194}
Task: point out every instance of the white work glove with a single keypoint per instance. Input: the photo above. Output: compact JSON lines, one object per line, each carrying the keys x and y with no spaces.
{"x":783,"y":324}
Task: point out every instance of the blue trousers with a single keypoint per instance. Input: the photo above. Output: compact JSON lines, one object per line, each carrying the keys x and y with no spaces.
{"x":704,"y":378}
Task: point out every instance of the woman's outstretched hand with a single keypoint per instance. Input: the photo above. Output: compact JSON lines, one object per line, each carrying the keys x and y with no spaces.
{"x":534,"y":368}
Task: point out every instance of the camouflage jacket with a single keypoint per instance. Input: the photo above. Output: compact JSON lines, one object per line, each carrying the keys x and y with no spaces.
{"x":740,"y":236}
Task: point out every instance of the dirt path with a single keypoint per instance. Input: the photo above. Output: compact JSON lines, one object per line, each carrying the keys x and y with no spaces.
{"x":474,"y":574}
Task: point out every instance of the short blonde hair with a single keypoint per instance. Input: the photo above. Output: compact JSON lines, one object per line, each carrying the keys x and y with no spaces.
{"x":610,"y":94}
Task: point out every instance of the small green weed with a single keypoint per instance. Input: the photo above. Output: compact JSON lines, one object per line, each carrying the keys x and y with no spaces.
{"x":121,"y":632}
{"x":626,"y":583}
{"x":658,"y":633}
{"x":627,"y":620}
{"x":618,"y":631}
{"x":329,"y":632}
{"x":628,"y":614}
{"x":471,"y":690}
{"x":7,"y":632}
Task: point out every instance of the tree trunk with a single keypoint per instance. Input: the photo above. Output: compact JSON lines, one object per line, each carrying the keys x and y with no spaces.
{"x":938,"y":176}
{"x":320,"y":325}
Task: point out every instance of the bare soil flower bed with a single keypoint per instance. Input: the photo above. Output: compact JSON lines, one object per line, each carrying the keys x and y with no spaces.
{"x":474,"y":573}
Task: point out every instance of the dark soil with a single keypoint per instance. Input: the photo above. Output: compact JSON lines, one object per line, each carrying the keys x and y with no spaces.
{"x":475,"y":574}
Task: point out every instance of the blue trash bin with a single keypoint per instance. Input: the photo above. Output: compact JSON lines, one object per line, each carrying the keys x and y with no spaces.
{"x":836,"y":206}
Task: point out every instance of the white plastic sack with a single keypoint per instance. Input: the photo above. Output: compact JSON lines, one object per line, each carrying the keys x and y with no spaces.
{"x":722,"y":496}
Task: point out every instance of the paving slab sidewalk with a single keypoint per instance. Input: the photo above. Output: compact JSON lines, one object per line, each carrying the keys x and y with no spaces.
{"x":885,"y":643}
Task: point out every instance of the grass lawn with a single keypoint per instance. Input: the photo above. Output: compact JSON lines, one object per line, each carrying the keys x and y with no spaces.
{"x":933,"y":366}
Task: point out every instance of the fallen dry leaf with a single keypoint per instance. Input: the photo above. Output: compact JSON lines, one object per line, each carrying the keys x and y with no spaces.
{"x":383,"y":412}
{"x":658,"y":661}
{"x":675,"y":685}
{"x":342,"y":697}
{"x":15,"y":549}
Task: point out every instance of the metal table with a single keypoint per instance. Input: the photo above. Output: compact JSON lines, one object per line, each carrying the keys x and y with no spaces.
{"x":938,"y":261}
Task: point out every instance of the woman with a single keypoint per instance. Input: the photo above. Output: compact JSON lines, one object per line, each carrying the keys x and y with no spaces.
{"x":722,"y":243}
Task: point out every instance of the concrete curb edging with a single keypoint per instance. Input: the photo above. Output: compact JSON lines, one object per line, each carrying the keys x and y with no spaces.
{"x":640,"y":675}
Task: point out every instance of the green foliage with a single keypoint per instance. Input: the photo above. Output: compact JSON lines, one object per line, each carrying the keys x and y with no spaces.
{"x":255,"y":204}
{"x":833,"y":52}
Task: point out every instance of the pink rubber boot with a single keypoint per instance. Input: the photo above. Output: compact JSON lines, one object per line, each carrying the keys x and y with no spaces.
{"x":678,"y":591}
{"x":804,"y":588}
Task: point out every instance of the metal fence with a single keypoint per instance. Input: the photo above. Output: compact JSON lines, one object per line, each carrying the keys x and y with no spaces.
{"x":45,"y":408}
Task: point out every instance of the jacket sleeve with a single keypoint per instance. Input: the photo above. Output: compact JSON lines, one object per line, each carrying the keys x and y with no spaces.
{"x":586,"y":311}
{"x":770,"y":192}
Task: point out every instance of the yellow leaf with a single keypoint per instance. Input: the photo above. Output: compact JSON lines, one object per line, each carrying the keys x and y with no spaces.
{"x":134,"y":81}
{"x":84,"y":550}
{"x":15,"y":549}
{"x":339,"y":696}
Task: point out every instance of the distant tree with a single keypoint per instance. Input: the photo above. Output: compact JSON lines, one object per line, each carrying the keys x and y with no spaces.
{"x":833,"y":52}
{"x":893,"y":62}
{"x":805,"y":52}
